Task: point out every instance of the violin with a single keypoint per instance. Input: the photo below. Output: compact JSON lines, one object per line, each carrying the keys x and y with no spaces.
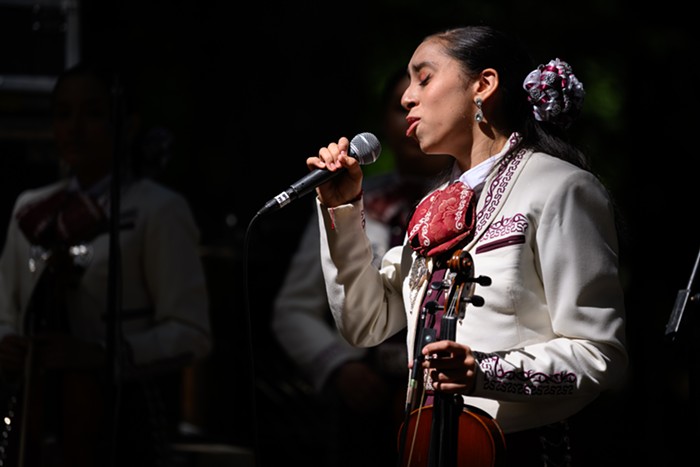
{"x":52,"y":415}
{"x":448,"y":433}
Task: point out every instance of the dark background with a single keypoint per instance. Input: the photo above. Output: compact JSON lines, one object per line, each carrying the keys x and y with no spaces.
{"x":249,"y":92}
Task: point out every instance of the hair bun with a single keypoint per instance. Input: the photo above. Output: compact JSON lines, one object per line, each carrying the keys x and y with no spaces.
{"x":555,"y":93}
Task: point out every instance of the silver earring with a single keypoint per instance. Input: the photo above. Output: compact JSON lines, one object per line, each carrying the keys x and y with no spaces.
{"x":479,"y":115}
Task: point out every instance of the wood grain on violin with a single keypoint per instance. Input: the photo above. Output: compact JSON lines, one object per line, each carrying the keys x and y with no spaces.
{"x":478,"y":440}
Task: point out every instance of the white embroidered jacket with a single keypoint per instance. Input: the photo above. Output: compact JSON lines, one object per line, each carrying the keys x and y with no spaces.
{"x":551,"y":334}
{"x":165,"y":304}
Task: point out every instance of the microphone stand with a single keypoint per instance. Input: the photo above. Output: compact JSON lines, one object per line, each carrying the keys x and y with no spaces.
{"x":685,"y":298}
{"x":113,"y":320}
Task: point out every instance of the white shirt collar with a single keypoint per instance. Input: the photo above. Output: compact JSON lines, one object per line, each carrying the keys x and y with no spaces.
{"x":476,"y":176}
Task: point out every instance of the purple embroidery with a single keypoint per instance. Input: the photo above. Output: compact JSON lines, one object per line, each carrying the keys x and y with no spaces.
{"x":498,"y":378}
{"x":498,"y":185}
{"x":506,"y":226}
{"x":500,"y":243}
{"x":504,"y":232}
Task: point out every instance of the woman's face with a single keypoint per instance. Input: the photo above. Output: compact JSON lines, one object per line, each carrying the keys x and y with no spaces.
{"x":410,"y":160}
{"x":81,"y":125}
{"x":439,"y":101}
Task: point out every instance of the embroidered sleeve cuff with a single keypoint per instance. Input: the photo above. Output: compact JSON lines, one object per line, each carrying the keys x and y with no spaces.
{"x":332,"y":210}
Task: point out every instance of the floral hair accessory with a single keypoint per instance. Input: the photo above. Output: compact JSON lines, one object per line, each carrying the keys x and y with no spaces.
{"x":555,"y":93}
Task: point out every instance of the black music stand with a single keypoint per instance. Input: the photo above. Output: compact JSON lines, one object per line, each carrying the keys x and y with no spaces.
{"x":683,"y":299}
{"x":688,"y":297}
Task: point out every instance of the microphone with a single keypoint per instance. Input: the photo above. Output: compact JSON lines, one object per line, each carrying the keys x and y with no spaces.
{"x":365,"y":147}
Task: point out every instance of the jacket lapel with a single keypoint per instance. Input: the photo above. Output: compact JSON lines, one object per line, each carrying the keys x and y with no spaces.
{"x":496,"y":191}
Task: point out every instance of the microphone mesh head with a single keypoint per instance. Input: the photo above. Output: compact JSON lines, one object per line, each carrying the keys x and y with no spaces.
{"x":365,"y":147}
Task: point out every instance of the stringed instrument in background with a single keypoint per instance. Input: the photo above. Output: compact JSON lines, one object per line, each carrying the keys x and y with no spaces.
{"x":55,"y":416}
{"x":448,"y":433}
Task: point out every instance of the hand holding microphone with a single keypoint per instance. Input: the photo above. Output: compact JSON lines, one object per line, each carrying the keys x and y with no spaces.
{"x":364,"y":147}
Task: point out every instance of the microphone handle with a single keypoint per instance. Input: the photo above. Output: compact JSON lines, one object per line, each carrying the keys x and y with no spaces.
{"x":298,"y":189}
{"x":307,"y":184}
